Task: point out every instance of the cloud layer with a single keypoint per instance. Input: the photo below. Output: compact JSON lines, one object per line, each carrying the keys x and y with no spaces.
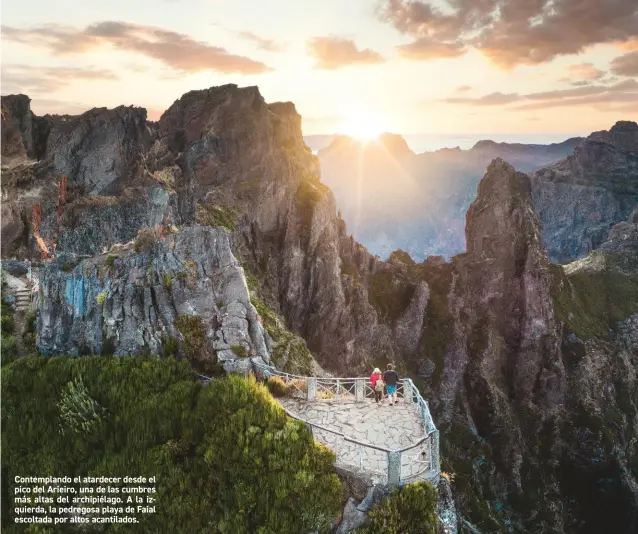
{"x":626,"y":65}
{"x":269,"y":45}
{"x":176,"y":50}
{"x":45,"y":80}
{"x":623,"y":94}
{"x":510,"y":32}
{"x":336,"y":52}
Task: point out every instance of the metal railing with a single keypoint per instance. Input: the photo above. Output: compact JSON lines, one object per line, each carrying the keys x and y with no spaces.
{"x":418,"y":461}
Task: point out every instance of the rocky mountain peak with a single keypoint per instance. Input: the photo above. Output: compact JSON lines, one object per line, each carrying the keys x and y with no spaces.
{"x":17,"y":127}
{"x":503,"y":212}
{"x":623,"y":135}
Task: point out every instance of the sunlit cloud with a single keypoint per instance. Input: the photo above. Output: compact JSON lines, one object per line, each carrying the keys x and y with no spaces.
{"x":269,"y":45}
{"x":176,"y":50}
{"x":583,"y":72}
{"x":30,"y":79}
{"x":625,"y":65}
{"x":620,"y":93}
{"x":510,"y":32}
{"x":334,"y":53}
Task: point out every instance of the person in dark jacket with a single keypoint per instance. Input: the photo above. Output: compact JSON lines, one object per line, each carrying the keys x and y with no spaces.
{"x":391,"y":378}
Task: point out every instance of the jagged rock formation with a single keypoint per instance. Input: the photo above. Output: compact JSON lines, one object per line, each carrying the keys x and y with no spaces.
{"x":392,"y":198}
{"x":218,"y":157}
{"x":530,"y":367}
{"x":535,"y":386}
{"x":580,"y":198}
{"x":186,"y":285}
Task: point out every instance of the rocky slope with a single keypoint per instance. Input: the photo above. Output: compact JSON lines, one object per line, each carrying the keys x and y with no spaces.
{"x":534,"y":384}
{"x":218,"y":157}
{"x":582,"y":196}
{"x":210,"y":234}
{"x":392,"y":198}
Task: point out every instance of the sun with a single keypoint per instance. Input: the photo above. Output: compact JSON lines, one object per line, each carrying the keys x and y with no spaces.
{"x":364,"y":126}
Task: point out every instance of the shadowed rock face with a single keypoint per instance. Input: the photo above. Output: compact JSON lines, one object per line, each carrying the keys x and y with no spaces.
{"x":530,"y":368}
{"x":580,"y":198}
{"x":540,"y":366}
{"x":17,"y":127}
{"x":221,"y":149}
{"x":130,"y":303}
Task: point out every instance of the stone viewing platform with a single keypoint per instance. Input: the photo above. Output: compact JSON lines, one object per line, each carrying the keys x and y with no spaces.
{"x":391,"y":445}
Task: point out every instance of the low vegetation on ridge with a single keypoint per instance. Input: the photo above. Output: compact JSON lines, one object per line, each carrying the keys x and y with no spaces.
{"x":215,"y":450}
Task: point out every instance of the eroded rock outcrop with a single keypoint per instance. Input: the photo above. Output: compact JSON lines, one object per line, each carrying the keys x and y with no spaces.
{"x":580,"y":198}
{"x":131,"y":302}
{"x":217,"y":157}
{"x":536,"y":394}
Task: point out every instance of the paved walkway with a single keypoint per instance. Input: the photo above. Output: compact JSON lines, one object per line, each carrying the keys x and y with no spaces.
{"x":390,"y":427}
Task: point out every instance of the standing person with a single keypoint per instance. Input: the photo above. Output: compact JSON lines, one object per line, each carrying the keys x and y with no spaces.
{"x":376,"y":380}
{"x":390,"y":377}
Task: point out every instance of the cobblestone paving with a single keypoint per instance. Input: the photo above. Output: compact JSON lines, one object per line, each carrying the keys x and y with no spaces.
{"x":390,"y":427}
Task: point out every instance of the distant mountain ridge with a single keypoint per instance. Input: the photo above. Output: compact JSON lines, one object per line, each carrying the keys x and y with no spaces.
{"x":581,"y":197}
{"x":434,"y":143}
{"x":391,"y":197}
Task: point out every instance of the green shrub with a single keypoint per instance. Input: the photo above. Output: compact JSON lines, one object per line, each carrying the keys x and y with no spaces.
{"x":226,"y":457}
{"x":194,"y":332}
{"x":29,"y":339}
{"x":276,"y":386}
{"x":146,"y":240}
{"x":290,"y":353}
{"x":29,"y":321}
{"x":67,"y":267}
{"x":170,"y":347}
{"x":79,"y":412}
{"x":390,"y":295}
{"x":110,"y":262}
{"x":591,"y":303}
{"x":251,"y":282}
{"x":309,"y":194}
{"x":8,"y":350}
{"x":167,"y":281}
{"x":239,"y":350}
{"x":6,"y":320}
{"x":349,"y":269}
{"x":101,"y":298}
{"x":408,"y":510}
{"x":211,"y":215}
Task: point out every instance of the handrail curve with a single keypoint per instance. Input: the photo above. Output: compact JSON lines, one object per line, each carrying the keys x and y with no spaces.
{"x":317,"y":386}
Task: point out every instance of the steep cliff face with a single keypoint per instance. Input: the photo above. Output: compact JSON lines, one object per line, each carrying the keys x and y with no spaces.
{"x":580,"y":198}
{"x":530,"y":367}
{"x":218,"y":157}
{"x":535,"y":387}
{"x":143,"y":298}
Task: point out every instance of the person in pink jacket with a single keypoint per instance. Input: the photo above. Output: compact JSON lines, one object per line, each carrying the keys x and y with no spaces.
{"x":376,"y":381}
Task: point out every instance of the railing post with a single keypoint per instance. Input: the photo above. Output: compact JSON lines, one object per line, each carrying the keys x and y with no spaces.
{"x":434,"y":458}
{"x":359,"y":390}
{"x":310,"y":429}
{"x":311,"y":386}
{"x":338,"y":393}
{"x":394,"y":468}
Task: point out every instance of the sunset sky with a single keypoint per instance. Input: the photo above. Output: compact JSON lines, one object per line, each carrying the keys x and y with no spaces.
{"x":440,"y":66}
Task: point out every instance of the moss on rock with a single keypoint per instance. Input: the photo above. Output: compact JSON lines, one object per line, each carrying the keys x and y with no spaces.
{"x":290,"y":352}
{"x":591,"y":302}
